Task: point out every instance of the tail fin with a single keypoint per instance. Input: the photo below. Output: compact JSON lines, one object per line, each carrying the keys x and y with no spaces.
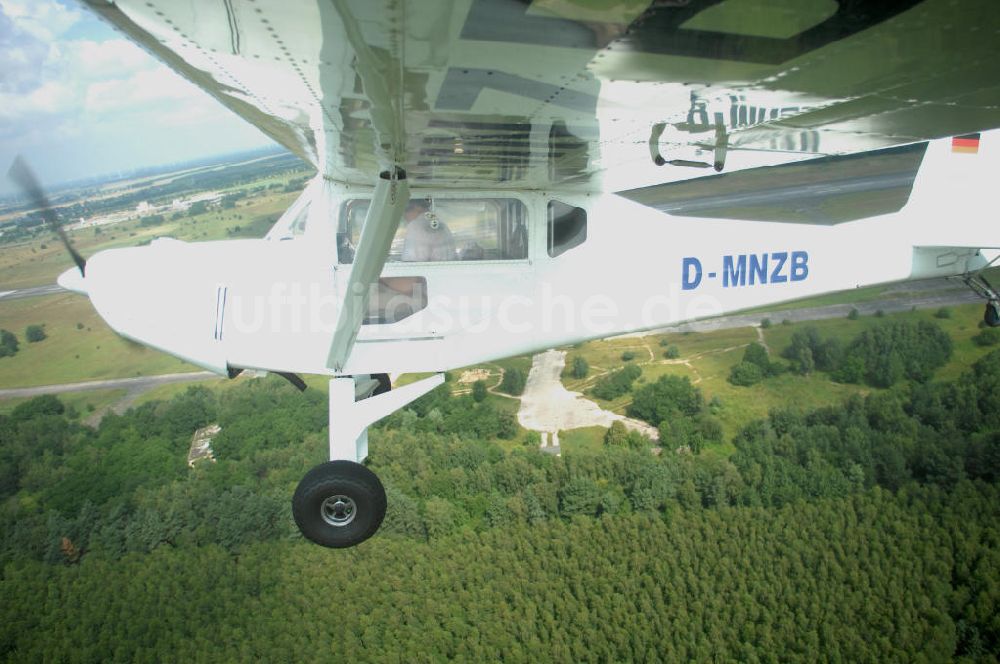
{"x":954,"y":198}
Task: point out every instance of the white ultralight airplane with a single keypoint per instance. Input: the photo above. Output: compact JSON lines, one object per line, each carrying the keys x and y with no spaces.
{"x":468,"y":155}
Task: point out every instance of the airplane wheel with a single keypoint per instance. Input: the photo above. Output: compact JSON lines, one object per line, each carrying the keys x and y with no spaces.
{"x":992,"y":314}
{"x":339,"y":504}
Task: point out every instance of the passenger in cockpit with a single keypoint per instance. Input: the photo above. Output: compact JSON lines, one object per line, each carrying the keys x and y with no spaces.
{"x":427,"y":237}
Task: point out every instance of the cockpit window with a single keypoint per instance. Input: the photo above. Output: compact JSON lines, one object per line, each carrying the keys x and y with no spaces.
{"x":438,"y":230}
{"x":567,"y":227}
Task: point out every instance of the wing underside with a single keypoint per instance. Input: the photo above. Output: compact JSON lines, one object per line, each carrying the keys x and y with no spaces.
{"x":502,"y":93}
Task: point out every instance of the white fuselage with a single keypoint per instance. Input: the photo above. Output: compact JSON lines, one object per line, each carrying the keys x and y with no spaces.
{"x":273,"y":304}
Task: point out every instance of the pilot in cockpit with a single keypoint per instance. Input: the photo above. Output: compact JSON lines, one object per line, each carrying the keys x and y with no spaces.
{"x":427,"y":237}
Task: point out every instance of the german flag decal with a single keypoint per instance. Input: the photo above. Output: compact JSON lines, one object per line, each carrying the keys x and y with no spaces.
{"x":969,"y":143}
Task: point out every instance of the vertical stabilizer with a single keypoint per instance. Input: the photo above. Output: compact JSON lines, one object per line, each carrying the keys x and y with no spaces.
{"x":953,"y":202}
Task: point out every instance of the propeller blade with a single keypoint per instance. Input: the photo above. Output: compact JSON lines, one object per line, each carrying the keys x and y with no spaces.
{"x":22,"y":176}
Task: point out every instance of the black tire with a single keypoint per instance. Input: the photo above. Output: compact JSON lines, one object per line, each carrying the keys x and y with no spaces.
{"x":992,"y":315}
{"x":384,"y":384}
{"x":339,"y":491}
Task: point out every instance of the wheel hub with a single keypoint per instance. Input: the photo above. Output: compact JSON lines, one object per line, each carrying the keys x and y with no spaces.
{"x":338,"y":510}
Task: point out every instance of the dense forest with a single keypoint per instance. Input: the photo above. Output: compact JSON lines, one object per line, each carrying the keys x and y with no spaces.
{"x":864,"y":531}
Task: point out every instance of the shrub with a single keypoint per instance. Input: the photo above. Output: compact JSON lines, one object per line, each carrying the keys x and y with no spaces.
{"x":580,"y":367}
{"x":757,"y":354}
{"x":879,"y":313}
{"x":8,"y":343}
{"x":804,"y":361}
{"x":853,"y":315}
{"x":690,"y":432}
{"x":479,"y":391}
{"x":628,"y":356}
{"x":513,"y":382}
{"x":808,"y":351}
{"x":616,"y":383}
{"x":766,"y":323}
{"x":619,"y":436}
{"x":668,"y":396}
{"x":989,"y":336}
{"x":672,"y":352}
{"x":943,"y":312}
{"x":745,"y":374}
{"x":38,"y":407}
{"x":786,"y":321}
{"x":34,"y":333}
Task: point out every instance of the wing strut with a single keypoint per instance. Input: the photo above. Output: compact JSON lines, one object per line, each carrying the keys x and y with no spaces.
{"x":391,"y":195}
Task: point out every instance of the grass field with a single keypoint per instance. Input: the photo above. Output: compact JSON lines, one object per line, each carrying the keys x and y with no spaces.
{"x":706,"y":359}
{"x":79,"y":345}
{"x":585,"y":440}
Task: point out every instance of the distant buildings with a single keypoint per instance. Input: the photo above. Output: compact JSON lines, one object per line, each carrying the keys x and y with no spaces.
{"x":145,"y":209}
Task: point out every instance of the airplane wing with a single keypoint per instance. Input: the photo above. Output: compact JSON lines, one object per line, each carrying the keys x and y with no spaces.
{"x":519,"y":94}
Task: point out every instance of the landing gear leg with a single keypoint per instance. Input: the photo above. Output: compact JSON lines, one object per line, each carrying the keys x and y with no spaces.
{"x":341,"y":503}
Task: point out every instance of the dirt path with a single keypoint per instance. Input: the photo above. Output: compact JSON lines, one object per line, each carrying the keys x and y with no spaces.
{"x":760,"y":339}
{"x":466,"y":388}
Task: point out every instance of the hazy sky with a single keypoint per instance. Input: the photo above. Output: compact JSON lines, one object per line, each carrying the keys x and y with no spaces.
{"x":77,"y":98}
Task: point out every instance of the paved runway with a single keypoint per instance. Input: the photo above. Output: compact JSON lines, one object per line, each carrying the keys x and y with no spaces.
{"x":139,"y":383}
{"x":35,"y":291}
